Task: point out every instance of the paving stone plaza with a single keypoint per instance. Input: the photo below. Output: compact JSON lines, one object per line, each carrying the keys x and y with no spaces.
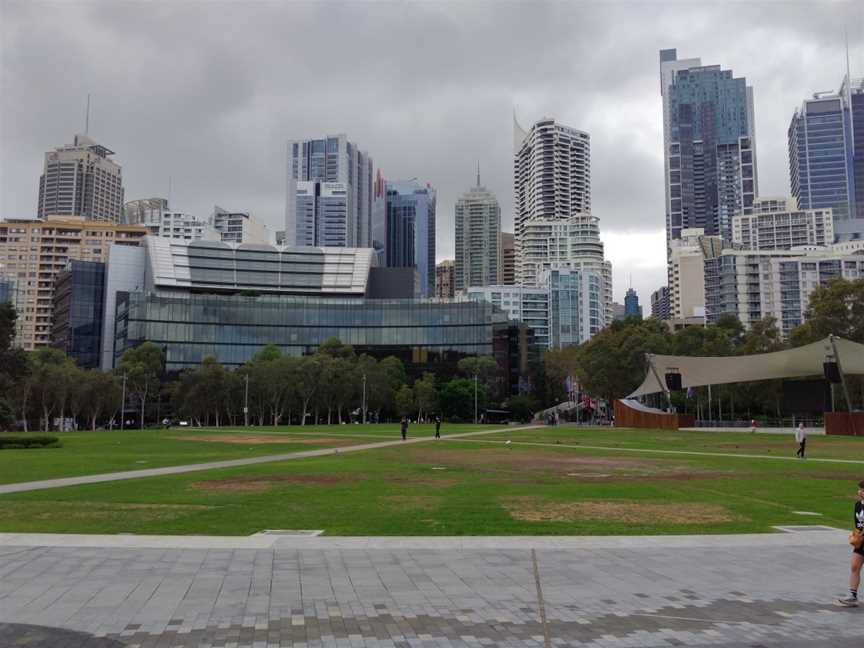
{"x":270,"y":590}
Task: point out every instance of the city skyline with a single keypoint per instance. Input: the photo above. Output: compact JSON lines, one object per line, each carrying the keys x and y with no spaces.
{"x":219,"y":124}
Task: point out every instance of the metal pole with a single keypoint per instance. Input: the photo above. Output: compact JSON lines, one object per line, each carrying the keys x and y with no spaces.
{"x":843,"y":382}
{"x":650,"y":358}
{"x":123,"y":405}
{"x":363,"y":403}
{"x":709,"y":403}
{"x":475,"y":399}
{"x":246,"y":404}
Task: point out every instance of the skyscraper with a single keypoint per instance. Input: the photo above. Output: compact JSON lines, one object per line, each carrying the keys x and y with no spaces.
{"x":709,"y":146}
{"x":508,"y":259}
{"x":478,"y":238}
{"x":329,"y":193}
{"x":631,"y":304}
{"x":826,"y":156}
{"x":551,"y":176}
{"x":410,"y":230}
{"x":80,"y":179}
{"x":444,"y":283}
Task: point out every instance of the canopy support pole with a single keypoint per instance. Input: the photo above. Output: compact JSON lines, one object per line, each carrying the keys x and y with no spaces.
{"x":650,"y":358}
{"x":843,"y":382}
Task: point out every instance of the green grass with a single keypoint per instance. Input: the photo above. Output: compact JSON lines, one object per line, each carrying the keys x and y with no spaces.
{"x":472,"y":487}
{"x":87,"y":453}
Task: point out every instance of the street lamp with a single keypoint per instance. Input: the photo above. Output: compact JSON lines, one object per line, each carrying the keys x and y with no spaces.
{"x":246,"y":404}
{"x":363,"y":402}
{"x":475,"y":399}
{"x":123,"y":405}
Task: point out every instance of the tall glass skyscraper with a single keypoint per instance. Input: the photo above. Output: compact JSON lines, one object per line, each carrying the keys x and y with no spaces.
{"x":709,"y":146}
{"x":478,"y":238}
{"x":410,"y":230}
{"x":826,"y":156}
{"x":329,"y":193}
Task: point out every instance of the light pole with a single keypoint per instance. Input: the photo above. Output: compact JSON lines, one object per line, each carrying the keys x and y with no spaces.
{"x":246,"y":404}
{"x":475,"y":399}
{"x":123,"y":405}
{"x":363,"y":403}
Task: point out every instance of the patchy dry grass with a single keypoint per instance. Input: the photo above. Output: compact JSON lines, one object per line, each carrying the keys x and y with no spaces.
{"x":532,"y":509}
{"x":420,"y":503}
{"x":261,"y":483}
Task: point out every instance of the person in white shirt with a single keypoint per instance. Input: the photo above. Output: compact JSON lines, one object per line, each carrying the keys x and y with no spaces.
{"x":801,"y":438}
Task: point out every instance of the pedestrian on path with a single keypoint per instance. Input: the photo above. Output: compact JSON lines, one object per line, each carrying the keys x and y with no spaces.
{"x":801,"y":438}
{"x":404,"y":427}
{"x":752,"y":426}
{"x":437,"y":426}
{"x":856,"y":539}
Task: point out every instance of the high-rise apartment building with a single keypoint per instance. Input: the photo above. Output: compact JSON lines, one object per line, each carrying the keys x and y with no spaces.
{"x":329,"y":193}
{"x":508,"y":259}
{"x":80,"y":179}
{"x":445,"y":279}
{"x":826,"y":156}
{"x":777,"y":224}
{"x":687,"y":272}
{"x":36,"y":251}
{"x":660,"y":303}
{"x":754,"y":284}
{"x":551,"y":177}
{"x":478,"y":238}
{"x":709,"y":146}
{"x":410,"y":230}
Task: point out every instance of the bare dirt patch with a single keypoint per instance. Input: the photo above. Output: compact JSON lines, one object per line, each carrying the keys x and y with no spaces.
{"x":578,"y":467}
{"x":261,"y":483}
{"x":532,"y":509}
{"x":400,"y":503}
{"x":262,"y":439}
{"x":423,"y":481}
{"x":98,"y":510}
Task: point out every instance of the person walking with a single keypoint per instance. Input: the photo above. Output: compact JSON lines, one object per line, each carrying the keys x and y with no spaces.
{"x":437,"y":426}
{"x":856,"y":539}
{"x":801,"y":438}
{"x":404,"y":427}
{"x":752,"y":426}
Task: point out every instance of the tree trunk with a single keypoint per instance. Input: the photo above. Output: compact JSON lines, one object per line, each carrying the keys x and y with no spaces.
{"x":143,"y":409}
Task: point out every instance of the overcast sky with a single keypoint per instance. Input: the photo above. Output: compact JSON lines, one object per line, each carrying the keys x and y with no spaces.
{"x":208,"y":93}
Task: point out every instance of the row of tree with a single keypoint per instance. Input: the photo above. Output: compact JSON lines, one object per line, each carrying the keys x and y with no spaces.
{"x":612,"y":364}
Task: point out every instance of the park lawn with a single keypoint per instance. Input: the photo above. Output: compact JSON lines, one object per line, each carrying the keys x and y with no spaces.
{"x":88,"y":453}
{"x":769,"y":444}
{"x":462,"y":487}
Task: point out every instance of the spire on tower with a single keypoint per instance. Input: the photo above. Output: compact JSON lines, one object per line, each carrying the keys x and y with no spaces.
{"x":478,"y":173}
{"x":87,"y":117}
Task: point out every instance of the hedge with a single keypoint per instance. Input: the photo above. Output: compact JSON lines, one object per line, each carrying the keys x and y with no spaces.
{"x":37,"y":441}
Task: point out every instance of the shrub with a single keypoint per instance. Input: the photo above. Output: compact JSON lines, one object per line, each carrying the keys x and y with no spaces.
{"x":9,"y":442}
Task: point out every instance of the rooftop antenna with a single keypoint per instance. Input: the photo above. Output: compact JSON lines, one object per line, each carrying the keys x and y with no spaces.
{"x":168,"y":205}
{"x":87,"y":115}
{"x":478,"y":173}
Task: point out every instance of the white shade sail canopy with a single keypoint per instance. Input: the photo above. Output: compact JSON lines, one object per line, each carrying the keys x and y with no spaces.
{"x":792,"y":363}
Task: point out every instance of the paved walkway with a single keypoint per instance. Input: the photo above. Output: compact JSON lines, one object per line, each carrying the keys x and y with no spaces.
{"x":230,"y":463}
{"x":755,"y":590}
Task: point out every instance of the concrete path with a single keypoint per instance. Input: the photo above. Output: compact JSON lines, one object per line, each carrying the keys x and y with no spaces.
{"x":230,"y":463}
{"x":755,"y":590}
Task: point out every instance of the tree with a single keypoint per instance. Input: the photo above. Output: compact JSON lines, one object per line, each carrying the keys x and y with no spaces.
{"x":522,"y":407}
{"x":142,"y":365}
{"x":49,"y":382}
{"x":103,"y":394}
{"x":310,"y":373}
{"x":457,"y":399}
{"x":405,"y":405}
{"x":425,"y":395}
{"x":835,"y":308}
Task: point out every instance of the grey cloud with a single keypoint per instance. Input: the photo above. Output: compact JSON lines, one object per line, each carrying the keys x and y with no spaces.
{"x":208,"y":93}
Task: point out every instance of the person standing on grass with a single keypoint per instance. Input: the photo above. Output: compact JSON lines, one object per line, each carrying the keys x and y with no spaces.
{"x":404,"y":427}
{"x":752,"y":426}
{"x":437,"y":426}
{"x":801,"y":438}
{"x":856,"y":539}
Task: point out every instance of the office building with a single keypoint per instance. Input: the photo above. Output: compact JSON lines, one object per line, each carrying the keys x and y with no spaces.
{"x":444,"y":280}
{"x":826,"y":156}
{"x":81,"y":179}
{"x":551,"y":179}
{"x":174,"y":293}
{"x":631,"y":304}
{"x":78,"y":312}
{"x":238,"y":227}
{"x":777,"y":224}
{"x":660,"y":303}
{"x":687,"y":272}
{"x":754,"y":284}
{"x":478,"y":238}
{"x":709,"y":146}
{"x":145,"y":211}
{"x":36,"y":251}
{"x":508,"y":259}
{"x":329,"y":193}
{"x":566,"y":243}
{"x":618,"y":312}
{"x":160,"y":220}
{"x":410,"y":230}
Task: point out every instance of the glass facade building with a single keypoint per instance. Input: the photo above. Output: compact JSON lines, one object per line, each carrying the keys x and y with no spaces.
{"x":78,"y":312}
{"x":825,"y":155}
{"x":410,"y":230}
